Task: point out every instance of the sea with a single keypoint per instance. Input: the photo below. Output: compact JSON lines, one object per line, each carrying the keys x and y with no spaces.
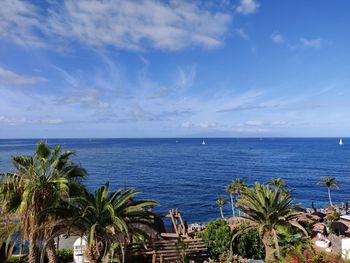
{"x":185,"y":174}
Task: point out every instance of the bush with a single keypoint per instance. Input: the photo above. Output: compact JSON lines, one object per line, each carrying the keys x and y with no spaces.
{"x":248,"y":244}
{"x":16,"y":259}
{"x":65,"y":255}
{"x":309,"y":256}
{"x":217,"y":235}
{"x":228,"y":258}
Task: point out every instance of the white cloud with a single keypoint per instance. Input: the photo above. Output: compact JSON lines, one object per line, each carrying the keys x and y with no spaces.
{"x":206,"y":125}
{"x":187,"y":124}
{"x":20,"y":121}
{"x":200,"y":125}
{"x":311,"y":43}
{"x":8,"y":77}
{"x":305,"y":43}
{"x":134,"y":25}
{"x":277,"y":38}
{"x":88,"y":99}
{"x":18,"y":21}
{"x":247,"y":7}
{"x":253,"y":123}
{"x":52,"y":121}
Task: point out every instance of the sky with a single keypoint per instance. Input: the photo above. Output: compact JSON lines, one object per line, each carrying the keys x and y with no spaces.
{"x":144,"y":68}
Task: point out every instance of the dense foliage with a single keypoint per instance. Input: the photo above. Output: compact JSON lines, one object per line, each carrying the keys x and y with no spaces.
{"x":65,"y":255}
{"x":217,"y":235}
{"x":266,"y":209}
{"x":309,"y":256}
{"x":248,"y":244}
{"x":15,"y":259}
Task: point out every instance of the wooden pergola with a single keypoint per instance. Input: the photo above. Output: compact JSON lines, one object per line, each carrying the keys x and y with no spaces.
{"x":173,"y":247}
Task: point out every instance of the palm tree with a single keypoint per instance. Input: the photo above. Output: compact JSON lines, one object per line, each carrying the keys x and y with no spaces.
{"x":220,"y":202}
{"x":231,"y":190}
{"x":329,"y":182}
{"x":234,"y":188}
{"x":40,"y":181}
{"x":278,"y":183}
{"x":266,"y":209}
{"x":105,"y":218}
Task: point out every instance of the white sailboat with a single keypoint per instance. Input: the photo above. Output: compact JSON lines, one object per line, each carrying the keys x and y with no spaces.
{"x":203,"y":142}
{"x":341,"y":142}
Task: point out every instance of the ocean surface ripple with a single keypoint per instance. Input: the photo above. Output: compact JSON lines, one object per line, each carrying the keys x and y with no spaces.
{"x":190,"y":176}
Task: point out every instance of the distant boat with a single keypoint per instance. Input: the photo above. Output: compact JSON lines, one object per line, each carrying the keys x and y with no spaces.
{"x":341,"y":142}
{"x":203,"y":142}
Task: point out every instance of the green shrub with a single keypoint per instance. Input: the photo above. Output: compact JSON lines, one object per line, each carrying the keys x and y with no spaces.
{"x":217,"y":235}
{"x":291,"y":239}
{"x":248,"y":244}
{"x":15,"y":259}
{"x":65,"y":255}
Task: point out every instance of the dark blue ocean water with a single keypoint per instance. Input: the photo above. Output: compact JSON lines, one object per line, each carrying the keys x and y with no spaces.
{"x":189,"y":175}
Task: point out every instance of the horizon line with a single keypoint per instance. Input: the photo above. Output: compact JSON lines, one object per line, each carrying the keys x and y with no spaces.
{"x":195,"y":137}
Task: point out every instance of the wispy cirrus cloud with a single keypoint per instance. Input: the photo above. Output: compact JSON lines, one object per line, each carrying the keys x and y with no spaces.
{"x":20,"y":121}
{"x":308,"y":43}
{"x":311,"y":43}
{"x":186,"y":77}
{"x":8,"y":77}
{"x":243,"y":108}
{"x":132,"y":25}
{"x":241,"y":33}
{"x":241,"y":102}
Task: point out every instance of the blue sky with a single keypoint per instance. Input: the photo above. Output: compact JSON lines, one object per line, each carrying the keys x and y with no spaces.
{"x":174,"y":68}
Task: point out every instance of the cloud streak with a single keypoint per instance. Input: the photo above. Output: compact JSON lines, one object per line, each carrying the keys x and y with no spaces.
{"x":22,"y":121}
{"x":308,"y":43}
{"x":8,"y":77}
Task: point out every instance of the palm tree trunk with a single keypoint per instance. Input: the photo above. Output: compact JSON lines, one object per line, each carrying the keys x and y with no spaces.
{"x":232,"y":206}
{"x":51,"y":252}
{"x":267,"y":240}
{"x":92,"y":256}
{"x":33,"y":249}
{"x":277,"y":246}
{"x":123,"y":253}
{"x":222,"y":214}
{"x":329,"y":196}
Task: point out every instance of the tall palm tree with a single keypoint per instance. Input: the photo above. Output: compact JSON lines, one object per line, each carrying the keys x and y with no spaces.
{"x":40,"y":181}
{"x":220,"y":202}
{"x":266,"y":209}
{"x":234,"y":188}
{"x":105,"y":218}
{"x":329,"y":182}
{"x":278,"y":183}
{"x":231,"y":190}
